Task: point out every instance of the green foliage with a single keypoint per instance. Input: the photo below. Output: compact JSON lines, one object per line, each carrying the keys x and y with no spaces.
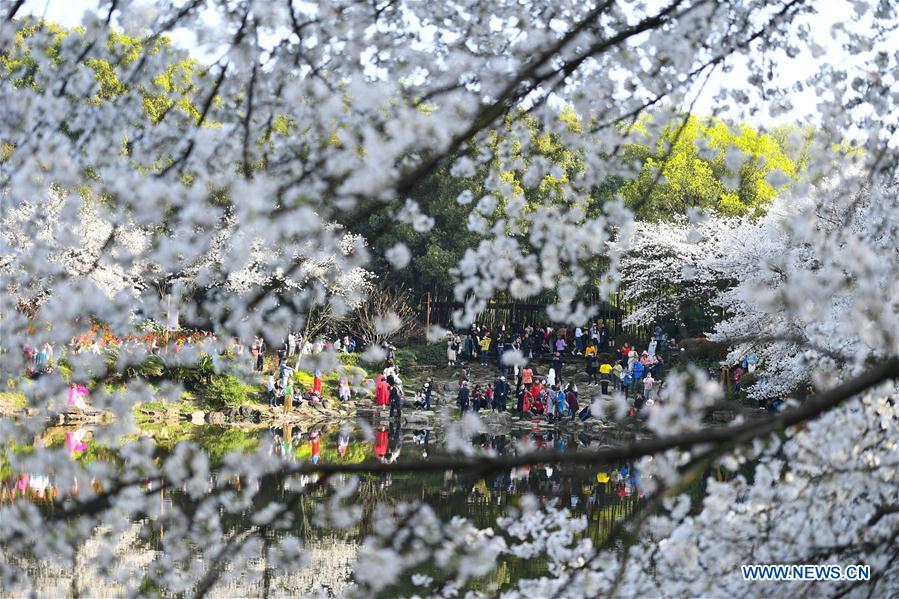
{"x":350,"y":359}
{"x":355,"y":452}
{"x":707,"y":164}
{"x":19,"y":65}
{"x":64,"y":368}
{"x":330,"y":380}
{"x":406,"y":358}
{"x":173,"y":89}
{"x":12,"y":400}
{"x":226,"y":390}
{"x":219,"y":441}
{"x":435,"y":252}
{"x":427,"y":354}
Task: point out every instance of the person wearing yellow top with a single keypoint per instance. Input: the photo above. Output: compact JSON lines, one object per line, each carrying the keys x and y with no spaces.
{"x":485,"y":347}
{"x":591,"y":363}
{"x":605,"y":371}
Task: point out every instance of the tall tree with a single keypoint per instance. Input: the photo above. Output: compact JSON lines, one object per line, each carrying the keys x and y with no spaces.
{"x":313,"y":113}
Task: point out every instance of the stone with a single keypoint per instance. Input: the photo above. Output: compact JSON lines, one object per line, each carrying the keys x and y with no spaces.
{"x":215,"y":418}
{"x":198,"y":417}
{"x":416,"y":418}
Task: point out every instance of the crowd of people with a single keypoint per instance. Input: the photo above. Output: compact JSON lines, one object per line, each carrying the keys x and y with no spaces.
{"x":38,"y":362}
{"x":479,"y":343}
{"x":287,"y":393}
{"x":624,"y":370}
{"x":389,"y":390}
{"x":294,"y":345}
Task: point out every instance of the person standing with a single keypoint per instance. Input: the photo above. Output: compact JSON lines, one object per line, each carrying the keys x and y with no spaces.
{"x":605,"y":373}
{"x":561,"y":404}
{"x":344,"y":389}
{"x":571,"y":396}
{"x":288,"y":395}
{"x":317,"y":382}
{"x":519,"y":400}
{"x":254,"y":352}
{"x":550,"y":404}
{"x":648,"y":386}
{"x":463,"y":398}
{"x":500,"y":394}
{"x":527,"y":377}
{"x":527,"y":346}
{"x":626,"y":380}
{"x":591,"y":363}
{"x":625,"y":353}
{"x":261,"y":355}
{"x":557,"y":365}
{"x":617,"y":376}
{"x":560,"y":344}
{"x":579,"y":340}
{"x":382,"y":391}
{"x":638,"y":370}
{"x":426,"y":393}
{"x":396,"y":397}
{"x":452,"y":347}
{"x":485,"y":347}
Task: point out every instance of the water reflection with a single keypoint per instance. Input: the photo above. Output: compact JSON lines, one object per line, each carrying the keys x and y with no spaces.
{"x":602,"y":494}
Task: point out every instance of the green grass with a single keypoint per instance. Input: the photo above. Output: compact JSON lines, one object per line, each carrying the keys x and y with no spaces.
{"x":330,"y":380}
{"x":12,"y":400}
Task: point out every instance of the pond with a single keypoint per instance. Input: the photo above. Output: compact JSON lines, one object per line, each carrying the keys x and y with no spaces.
{"x":603,"y":495}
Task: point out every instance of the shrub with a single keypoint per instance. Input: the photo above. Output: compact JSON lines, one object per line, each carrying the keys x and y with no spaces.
{"x":226,"y":390}
{"x":432,"y":354}
{"x":748,"y":380}
{"x":426,"y":354}
{"x":406,"y":358}
{"x":349,"y":359}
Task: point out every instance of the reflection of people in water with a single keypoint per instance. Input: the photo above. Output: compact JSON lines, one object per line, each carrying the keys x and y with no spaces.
{"x":315,"y":439}
{"x":422,"y":437}
{"x":343,"y":442}
{"x":396,"y":442}
{"x":382,"y":440}
{"x":78,"y":396}
{"x":75,"y":442}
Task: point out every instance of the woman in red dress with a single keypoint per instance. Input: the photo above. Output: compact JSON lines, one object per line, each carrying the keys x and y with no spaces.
{"x":317,"y":383}
{"x":382,"y":391}
{"x":382,"y":442}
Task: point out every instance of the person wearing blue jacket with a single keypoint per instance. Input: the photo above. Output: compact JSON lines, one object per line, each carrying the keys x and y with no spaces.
{"x":639,"y":370}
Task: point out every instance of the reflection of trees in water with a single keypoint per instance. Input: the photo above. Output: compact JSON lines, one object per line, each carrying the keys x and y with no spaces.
{"x":329,"y":569}
{"x":603,"y":500}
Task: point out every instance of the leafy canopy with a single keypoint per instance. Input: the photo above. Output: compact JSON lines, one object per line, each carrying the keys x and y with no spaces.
{"x":712,"y":165}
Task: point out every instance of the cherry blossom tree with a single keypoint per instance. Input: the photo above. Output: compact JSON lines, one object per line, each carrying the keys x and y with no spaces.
{"x":303,"y":112}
